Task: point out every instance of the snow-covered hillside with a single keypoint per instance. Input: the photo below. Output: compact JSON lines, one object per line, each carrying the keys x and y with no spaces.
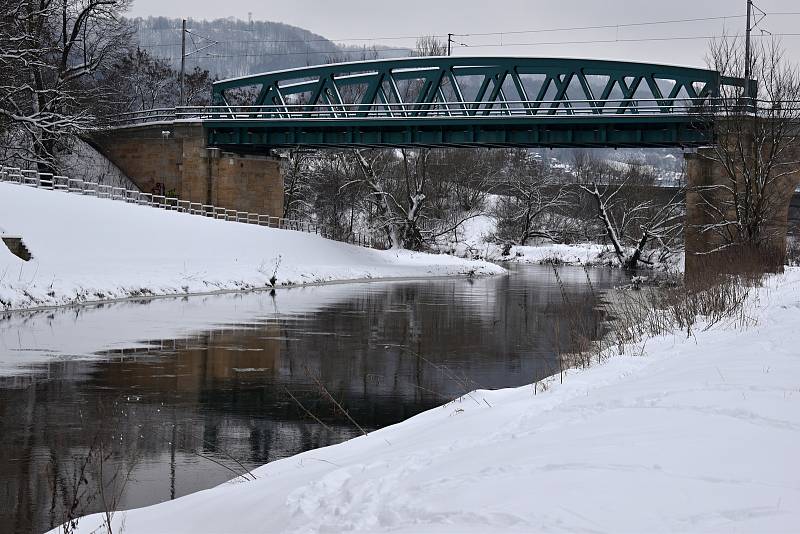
{"x":240,"y":47}
{"x":696,"y":434}
{"x":87,"y":249}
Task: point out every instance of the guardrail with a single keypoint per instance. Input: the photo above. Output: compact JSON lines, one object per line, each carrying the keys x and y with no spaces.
{"x":704,"y":108}
{"x":83,"y":187}
{"x":539,"y":109}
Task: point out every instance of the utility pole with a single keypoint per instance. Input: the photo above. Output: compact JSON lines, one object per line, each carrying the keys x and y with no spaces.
{"x":181,"y":101}
{"x":449,"y":43}
{"x":747,"y":70}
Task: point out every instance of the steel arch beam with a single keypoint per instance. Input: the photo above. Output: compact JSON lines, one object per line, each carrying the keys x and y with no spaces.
{"x":622,"y":76}
{"x":477,"y":101}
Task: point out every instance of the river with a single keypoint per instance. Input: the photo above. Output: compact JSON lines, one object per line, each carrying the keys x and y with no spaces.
{"x":132,"y":403}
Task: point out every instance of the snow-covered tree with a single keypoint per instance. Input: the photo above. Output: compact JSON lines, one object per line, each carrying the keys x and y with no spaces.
{"x":640,"y":225}
{"x":534,"y":201}
{"x":51,"y":52}
{"x":297,"y":166}
{"x":410,"y":197}
{"x":418,"y":195}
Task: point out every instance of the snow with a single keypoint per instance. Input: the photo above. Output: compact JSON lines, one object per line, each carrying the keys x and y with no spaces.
{"x":577,"y":254}
{"x":84,"y":162}
{"x":475,"y":239}
{"x":582,"y":254}
{"x":90,"y":249}
{"x":695,"y":434}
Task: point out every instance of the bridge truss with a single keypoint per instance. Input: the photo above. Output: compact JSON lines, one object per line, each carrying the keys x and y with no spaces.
{"x":466,"y":101}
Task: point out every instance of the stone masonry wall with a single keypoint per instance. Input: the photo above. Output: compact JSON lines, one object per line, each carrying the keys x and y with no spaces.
{"x":174,"y":158}
{"x":253,"y":184}
{"x":702,"y":173}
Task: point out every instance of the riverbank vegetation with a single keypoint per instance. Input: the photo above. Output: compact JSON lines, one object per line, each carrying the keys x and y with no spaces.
{"x":723,"y":295}
{"x":426,"y":199}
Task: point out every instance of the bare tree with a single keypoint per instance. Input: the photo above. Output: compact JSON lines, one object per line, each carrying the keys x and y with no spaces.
{"x":197,"y":85}
{"x":428,"y":193}
{"x":298,"y":167}
{"x":412,"y":197}
{"x":138,"y":81}
{"x":633,"y":220}
{"x":395,"y":182}
{"x":141,"y":81}
{"x":50,"y":52}
{"x":757,"y":152}
{"x":533,"y":201}
{"x":458,"y":185}
{"x":430,"y":45}
{"x":338,"y":196}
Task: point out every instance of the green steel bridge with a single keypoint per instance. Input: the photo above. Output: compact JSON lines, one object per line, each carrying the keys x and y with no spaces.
{"x":461,"y":102}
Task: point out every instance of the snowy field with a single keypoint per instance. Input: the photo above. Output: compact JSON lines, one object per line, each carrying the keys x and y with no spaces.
{"x":697,"y":434}
{"x":87,"y":249}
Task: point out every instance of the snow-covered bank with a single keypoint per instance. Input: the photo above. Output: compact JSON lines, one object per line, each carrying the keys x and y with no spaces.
{"x":89,"y":249}
{"x":699,"y":434}
{"x":475,"y":239}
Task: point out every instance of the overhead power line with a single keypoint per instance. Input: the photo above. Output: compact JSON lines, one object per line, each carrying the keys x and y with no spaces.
{"x":618,"y":40}
{"x":267,"y":54}
{"x":481,"y":34}
{"x":601,"y":26}
{"x":497,"y":45}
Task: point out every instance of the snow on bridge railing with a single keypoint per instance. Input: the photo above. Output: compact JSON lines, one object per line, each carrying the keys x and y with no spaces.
{"x":83,"y":187}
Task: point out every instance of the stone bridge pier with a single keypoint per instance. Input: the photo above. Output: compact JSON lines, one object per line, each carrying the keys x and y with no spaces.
{"x":709,"y":203}
{"x":174,"y":159}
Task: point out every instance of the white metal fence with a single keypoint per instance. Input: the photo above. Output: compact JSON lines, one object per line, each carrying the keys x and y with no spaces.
{"x":82,"y":187}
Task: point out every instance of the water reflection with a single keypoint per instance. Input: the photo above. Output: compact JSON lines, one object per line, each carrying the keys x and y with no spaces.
{"x":187,"y":393}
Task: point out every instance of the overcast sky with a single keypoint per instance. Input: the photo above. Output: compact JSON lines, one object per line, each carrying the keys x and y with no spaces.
{"x":381,"y":20}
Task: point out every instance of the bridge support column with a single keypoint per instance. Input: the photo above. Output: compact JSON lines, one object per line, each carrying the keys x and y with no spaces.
{"x":711,"y":212}
{"x":174,"y":159}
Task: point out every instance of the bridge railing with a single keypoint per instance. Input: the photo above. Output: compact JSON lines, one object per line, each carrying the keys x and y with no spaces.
{"x":533,"y":109}
{"x":147,"y":116}
{"x":442,"y":109}
{"x":65,"y":184}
